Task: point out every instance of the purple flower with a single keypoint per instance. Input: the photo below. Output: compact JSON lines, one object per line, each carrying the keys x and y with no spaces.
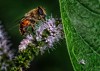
{"x":5,"y":50}
{"x":46,"y":34}
{"x":55,"y":33}
{"x":24,"y":43}
{"x":30,"y":37}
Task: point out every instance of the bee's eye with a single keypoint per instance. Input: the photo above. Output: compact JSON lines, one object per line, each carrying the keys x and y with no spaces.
{"x":40,"y":11}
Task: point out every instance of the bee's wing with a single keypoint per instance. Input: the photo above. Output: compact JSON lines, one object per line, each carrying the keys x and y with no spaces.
{"x":16,"y":25}
{"x":13,"y":27}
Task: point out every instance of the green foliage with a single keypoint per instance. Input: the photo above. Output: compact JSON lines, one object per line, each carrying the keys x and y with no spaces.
{"x":81,"y":19}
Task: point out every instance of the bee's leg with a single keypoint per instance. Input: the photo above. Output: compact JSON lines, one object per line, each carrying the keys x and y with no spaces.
{"x":21,"y":29}
{"x":33,"y":25}
{"x":26,"y":31}
{"x":43,"y":19}
{"x":32,"y":29}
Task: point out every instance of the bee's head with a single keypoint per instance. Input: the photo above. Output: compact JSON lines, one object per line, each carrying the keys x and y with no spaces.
{"x":41,"y":13}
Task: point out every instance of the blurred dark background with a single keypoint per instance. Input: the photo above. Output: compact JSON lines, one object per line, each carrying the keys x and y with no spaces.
{"x":11,"y":11}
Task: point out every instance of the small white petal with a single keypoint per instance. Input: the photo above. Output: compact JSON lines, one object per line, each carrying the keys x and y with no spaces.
{"x":30,"y":37}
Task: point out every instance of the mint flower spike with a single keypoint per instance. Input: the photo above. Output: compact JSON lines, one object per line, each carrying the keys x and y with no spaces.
{"x":25,"y":42}
{"x":6,"y":54}
{"x":45,"y":35}
{"x":27,"y":52}
{"x":48,"y":33}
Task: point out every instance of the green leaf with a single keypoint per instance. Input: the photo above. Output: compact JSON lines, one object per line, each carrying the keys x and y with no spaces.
{"x":81,"y":22}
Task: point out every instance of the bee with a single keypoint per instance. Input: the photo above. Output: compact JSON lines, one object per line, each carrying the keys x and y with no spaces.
{"x":31,"y":18}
